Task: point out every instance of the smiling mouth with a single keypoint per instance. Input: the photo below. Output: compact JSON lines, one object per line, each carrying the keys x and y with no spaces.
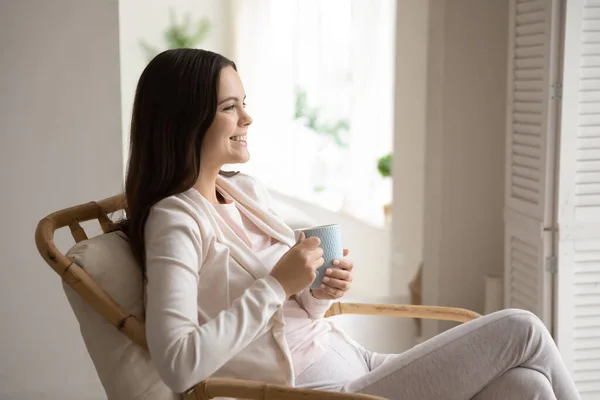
{"x":238,"y":138}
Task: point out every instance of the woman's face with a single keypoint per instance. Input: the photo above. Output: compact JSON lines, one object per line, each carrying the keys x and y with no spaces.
{"x":225,"y":140}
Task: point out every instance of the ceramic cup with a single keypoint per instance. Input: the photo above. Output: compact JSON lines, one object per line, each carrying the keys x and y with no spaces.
{"x":331,"y":243}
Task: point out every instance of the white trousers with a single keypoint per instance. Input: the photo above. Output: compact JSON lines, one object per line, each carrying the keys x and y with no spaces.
{"x":508,"y":354}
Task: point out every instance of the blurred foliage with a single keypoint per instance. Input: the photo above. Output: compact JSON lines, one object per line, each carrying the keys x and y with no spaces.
{"x":184,"y":34}
{"x":384,"y":165}
{"x":312,"y":119}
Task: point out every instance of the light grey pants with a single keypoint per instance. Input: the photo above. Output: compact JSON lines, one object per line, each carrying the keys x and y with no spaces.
{"x":508,"y":354}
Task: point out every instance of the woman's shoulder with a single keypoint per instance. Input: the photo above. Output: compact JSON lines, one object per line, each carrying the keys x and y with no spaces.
{"x":178,"y":209}
{"x":251,"y":186}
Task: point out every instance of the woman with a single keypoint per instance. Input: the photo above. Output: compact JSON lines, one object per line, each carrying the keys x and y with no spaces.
{"x":227,"y":286}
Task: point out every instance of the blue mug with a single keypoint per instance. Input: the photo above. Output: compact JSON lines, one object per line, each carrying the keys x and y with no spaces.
{"x":331,"y":243}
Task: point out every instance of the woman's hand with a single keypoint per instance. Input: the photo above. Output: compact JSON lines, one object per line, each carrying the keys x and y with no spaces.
{"x":336,"y":281}
{"x":297,"y":268}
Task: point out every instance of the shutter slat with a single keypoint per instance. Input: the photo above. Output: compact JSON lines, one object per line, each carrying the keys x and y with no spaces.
{"x":590,"y":37}
{"x":530,"y":40}
{"x":590,"y":120}
{"x":531,"y":17}
{"x":592,"y":13}
{"x":530,"y":6}
{"x":527,"y":129}
{"x":527,"y":97}
{"x":590,"y":61}
{"x":527,"y":295}
{"x":588,"y":201}
{"x":589,"y":143}
{"x":525,"y":194}
{"x":588,"y":154}
{"x":589,"y":102}
{"x":529,"y":51}
{"x":590,"y":73}
{"x":531,"y":74}
{"x":529,"y":63}
{"x":588,"y":166}
{"x":591,"y":26}
{"x":588,"y":177}
{"x":530,"y":29}
{"x":524,"y":161}
{"x":587,"y":189}
{"x":533,"y":108}
{"x":529,"y":151}
{"x":526,"y":139}
{"x":588,"y":131}
{"x":527,"y":118}
{"x":589,"y":84}
{"x":591,"y":49}
{"x":528,"y":85}
{"x":592,"y":321}
{"x":528,"y":185}
{"x":531,"y":173}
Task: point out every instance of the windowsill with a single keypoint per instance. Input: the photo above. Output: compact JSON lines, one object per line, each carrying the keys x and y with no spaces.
{"x":303,"y":204}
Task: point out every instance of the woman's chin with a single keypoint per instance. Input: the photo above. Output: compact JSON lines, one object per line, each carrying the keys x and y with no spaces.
{"x":240,"y":159}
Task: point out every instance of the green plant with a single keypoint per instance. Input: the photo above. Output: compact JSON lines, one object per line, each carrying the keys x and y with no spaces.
{"x":312,"y":120}
{"x":384,"y":165}
{"x":186,"y":34}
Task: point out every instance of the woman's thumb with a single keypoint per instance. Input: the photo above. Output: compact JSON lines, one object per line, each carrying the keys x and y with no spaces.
{"x":301,"y":237}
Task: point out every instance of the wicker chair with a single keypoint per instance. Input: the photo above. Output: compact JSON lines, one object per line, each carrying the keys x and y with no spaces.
{"x":132,"y":326}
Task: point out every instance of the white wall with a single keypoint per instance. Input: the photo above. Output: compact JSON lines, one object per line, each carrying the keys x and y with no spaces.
{"x":60,"y":131}
{"x":409,"y":142}
{"x":464,"y":178}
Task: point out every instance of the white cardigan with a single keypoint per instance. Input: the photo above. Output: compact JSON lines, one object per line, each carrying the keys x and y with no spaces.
{"x":212,"y":308}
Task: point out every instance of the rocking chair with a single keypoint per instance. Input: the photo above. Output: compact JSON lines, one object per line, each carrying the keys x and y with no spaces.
{"x":104,"y":286}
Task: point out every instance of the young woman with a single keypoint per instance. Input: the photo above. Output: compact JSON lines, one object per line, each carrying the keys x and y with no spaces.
{"x":227,"y":286}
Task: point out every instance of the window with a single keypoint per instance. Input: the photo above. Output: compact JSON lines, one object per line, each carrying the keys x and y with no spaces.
{"x":319,"y":79}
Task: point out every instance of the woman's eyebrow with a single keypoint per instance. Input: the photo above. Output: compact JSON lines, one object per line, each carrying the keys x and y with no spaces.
{"x":230,"y":98}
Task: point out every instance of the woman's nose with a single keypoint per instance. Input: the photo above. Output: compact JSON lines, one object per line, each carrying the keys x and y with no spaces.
{"x":246,"y":119}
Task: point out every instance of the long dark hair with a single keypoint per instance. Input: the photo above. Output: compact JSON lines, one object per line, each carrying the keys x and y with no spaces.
{"x":175,"y":104}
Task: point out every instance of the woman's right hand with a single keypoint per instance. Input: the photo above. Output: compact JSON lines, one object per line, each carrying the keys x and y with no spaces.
{"x":297,"y":268}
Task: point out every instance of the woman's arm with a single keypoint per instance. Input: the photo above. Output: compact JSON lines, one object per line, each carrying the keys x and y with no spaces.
{"x":184,"y":351}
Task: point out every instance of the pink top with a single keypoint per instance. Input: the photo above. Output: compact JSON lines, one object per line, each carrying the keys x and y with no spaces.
{"x":306,"y":337}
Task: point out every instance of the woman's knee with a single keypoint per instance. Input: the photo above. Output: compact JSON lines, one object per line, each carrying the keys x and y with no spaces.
{"x":522,"y":323}
{"x":518,"y":383}
{"x":518,"y":316}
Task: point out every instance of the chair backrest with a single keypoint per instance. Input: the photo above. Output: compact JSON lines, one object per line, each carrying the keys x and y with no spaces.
{"x":73,"y":274}
{"x":104,"y":286}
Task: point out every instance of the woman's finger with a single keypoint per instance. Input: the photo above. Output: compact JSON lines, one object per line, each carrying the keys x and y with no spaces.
{"x":346,"y":252}
{"x":335,"y":293}
{"x":339,"y":274}
{"x":344,"y":263}
{"x":335,"y":284}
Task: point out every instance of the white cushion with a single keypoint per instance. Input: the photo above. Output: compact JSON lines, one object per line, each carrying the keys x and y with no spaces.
{"x":125,"y":369}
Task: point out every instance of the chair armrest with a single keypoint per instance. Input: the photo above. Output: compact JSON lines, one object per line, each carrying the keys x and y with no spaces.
{"x":402,"y":310}
{"x":242,"y":389}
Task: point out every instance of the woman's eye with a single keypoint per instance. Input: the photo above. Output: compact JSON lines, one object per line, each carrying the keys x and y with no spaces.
{"x":229,"y":108}
{"x":244,"y":105}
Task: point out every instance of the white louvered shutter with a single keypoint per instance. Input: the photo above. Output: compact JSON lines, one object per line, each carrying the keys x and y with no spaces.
{"x":578,"y":283}
{"x":530,"y":150}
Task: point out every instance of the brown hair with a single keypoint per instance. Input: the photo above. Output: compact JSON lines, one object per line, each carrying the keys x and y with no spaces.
{"x":175,"y":104}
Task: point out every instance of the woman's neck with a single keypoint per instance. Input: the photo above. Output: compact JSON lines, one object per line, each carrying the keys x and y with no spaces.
{"x":207,"y":186}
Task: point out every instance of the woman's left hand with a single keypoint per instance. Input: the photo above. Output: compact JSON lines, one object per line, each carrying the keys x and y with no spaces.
{"x":336,"y":281}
